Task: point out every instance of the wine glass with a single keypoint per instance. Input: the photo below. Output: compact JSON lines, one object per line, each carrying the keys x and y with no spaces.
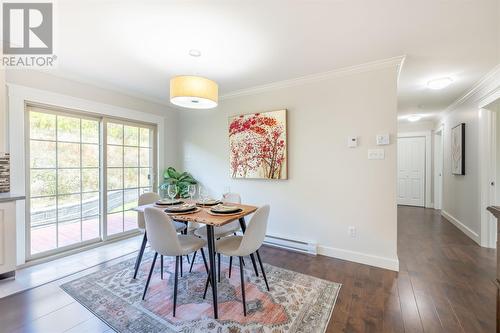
{"x":203,"y":194}
{"x":172,"y":191}
{"x":191,"y":190}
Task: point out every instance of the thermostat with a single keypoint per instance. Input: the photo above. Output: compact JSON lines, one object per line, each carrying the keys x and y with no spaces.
{"x":382,"y":139}
{"x":352,"y":141}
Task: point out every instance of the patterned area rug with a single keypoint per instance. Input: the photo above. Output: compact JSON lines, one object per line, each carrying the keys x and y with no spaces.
{"x":295,"y":303}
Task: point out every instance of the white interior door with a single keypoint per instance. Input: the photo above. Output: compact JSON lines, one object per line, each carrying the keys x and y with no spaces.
{"x":411,"y":171}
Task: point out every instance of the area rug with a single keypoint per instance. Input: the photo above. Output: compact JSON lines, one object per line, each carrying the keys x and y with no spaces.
{"x":295,"y":302}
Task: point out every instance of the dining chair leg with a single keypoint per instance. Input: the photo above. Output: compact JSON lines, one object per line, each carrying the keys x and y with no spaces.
{"x":192,"y":261}
{"x":218,"y":265}
{"x":187,"y":258}
{"x":182,"y":261}
{"x":205,"y":261}
{"x":254,"y":265}
{"x":176,"y":280}
{"x":149,"y":276}
{"x":161,"y":267}
{"x":262,"y":269}
{"x":242,"y":276}
{"x":206,"y":288}
{"x":242,"y":259}
{"x":140,"y":254}
{"x":230,"y":265}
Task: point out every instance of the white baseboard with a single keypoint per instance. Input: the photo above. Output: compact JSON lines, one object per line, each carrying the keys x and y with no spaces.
{"x":359,"y":257}
{"x":462,"y":227}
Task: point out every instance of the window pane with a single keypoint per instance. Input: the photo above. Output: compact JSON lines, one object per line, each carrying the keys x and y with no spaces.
{"x":68,"y":129}
{"x":42,"y":126}
{"x":145,"y":179}
{"x":90,"y":155}
{"x":43,"y":211}
{"x":90,"y":131}
{"x":115,"y":223}
{"x":115,"y":201}
{"x":68,"y":207}
{"x":43,"y":238}
{"x":145,"y":190}
{"x":90,"y":228}
{"x":69,"y":233}
{"x":115,"y":134}
{"x":90,"y":204}
{"x":42,"y":154}
{"x":68,"y":155}
{"x":131,"y":177}
{"x":130,"y":198}
{"x":131,"y":157}
{"x":43,"y":182}
{"x":90,"y":180}
{"x":131,"y":136}
{"x":130,"y":220}
{"x":68,"y":181}
{"x":145,"y":157}
{"x":115,"y":179}
{"x":115,"y":156}
{"x":145,"y":140}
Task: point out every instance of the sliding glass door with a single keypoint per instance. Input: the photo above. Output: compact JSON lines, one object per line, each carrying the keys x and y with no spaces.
{"x":67,"y":156}
{"x":129,"y":162}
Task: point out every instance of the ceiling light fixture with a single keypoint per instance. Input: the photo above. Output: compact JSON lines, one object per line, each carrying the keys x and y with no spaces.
{"x":194,"y":53}
{"x":193,"y":92}
{"x":440,"y":83}
{"x":414,"y":117}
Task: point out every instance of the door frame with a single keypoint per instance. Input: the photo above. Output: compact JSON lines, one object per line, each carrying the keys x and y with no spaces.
{"x":487,"y":168}
{"x":428,"y":159}
{"x":438,"y":167}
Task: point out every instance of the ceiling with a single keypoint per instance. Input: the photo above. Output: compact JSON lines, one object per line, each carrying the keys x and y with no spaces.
{"x":137,"y":46}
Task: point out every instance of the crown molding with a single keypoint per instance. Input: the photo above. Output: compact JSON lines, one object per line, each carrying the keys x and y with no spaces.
{"x":365,"y":67}
{"x":480,"y":90}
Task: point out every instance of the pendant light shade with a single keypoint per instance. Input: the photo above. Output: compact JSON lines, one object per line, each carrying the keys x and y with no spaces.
{"x":193,"y":92}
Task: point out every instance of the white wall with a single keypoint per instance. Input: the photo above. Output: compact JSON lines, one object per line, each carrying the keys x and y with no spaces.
{"x":418,"y":126}
{"x":330,"y":186}
{"x":462,"y":195}
{"x":3,"y":111}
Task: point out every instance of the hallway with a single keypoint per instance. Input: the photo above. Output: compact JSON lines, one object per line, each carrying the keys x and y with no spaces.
{"x":444,"y":285}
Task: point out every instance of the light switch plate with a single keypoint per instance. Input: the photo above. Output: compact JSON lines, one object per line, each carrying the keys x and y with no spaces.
{"x":376,"y":154}
{"x":383,"y":139}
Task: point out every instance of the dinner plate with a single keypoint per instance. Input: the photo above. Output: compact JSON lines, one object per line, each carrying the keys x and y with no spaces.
{"x":194,"y":210}
{"x":169,"y":202}
{"x":208,"y":203}
{"x":225,"y":209}
{"x":225,"y":214}
{"x":180,"y":208}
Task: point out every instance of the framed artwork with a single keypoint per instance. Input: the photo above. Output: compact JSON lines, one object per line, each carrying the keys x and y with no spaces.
{"x":258,"y":145}
{"x":458,"y":150}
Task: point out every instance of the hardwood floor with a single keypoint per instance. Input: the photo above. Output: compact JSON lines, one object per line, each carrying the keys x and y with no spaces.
{"x":445,"y":284}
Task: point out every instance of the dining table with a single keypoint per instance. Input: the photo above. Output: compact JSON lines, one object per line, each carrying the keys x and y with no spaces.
{"x":203,"y":215}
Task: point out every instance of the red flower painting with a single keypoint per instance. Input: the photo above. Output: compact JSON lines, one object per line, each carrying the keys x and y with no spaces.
{"x":258,"y":145}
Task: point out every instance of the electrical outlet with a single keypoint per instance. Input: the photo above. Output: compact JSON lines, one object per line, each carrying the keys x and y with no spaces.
{"x":352,"y":231}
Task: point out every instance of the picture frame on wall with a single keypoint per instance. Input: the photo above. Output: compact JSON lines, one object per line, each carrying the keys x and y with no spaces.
{"x":458,"y":150}
{"x":258,"y":145}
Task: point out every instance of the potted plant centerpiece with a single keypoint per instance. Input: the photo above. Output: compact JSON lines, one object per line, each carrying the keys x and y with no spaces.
{"x":181,"y":179}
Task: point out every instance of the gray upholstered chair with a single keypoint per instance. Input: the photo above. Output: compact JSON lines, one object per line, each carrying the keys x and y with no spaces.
{"x":146,"y":199}
{"x":164,"y":240}
{"x":249,"y":243}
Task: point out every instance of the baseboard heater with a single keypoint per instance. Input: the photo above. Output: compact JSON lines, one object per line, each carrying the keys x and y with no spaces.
{"x":291,"y":244}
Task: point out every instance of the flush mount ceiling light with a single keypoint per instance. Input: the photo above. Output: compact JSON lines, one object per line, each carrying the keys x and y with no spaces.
{"x":193,"y":92}
{"x":440,"y":83}
{"x":194,"y":53}
{"x":414,"y":117}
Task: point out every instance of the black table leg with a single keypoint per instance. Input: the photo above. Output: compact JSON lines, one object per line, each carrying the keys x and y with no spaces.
{"x":211,"y":257}
{"x":243,"y":227}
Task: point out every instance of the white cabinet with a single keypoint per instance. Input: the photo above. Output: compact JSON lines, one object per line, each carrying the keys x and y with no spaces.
{"x":7,"y":238}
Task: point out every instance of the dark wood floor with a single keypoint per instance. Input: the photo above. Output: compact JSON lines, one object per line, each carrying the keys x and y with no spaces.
{"x":444,"y":285}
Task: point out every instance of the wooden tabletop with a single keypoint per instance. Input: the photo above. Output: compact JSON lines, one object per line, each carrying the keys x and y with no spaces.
{"x":203,"y":216}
